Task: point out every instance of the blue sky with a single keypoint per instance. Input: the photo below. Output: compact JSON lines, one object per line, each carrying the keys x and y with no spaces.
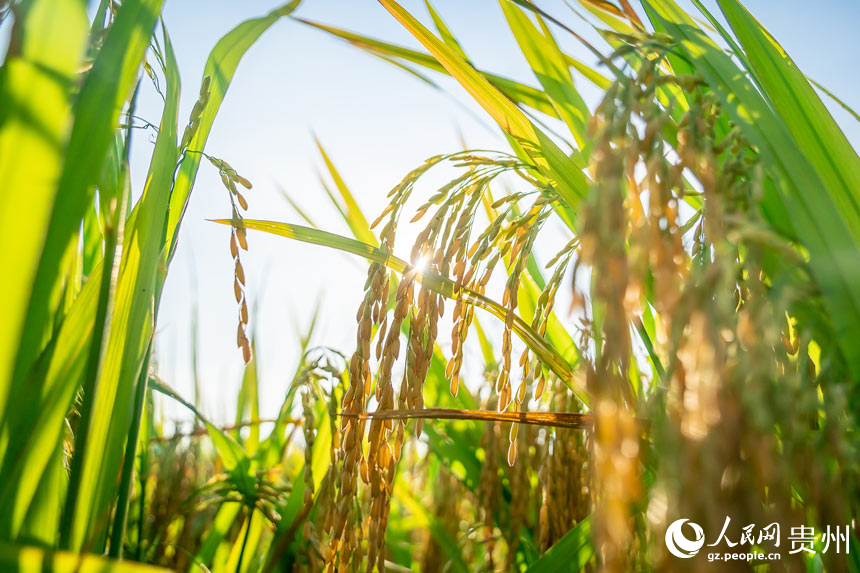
{"x":377,"y":123}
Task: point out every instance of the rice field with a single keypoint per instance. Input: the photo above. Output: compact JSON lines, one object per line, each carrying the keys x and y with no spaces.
{"x":624,"y":341}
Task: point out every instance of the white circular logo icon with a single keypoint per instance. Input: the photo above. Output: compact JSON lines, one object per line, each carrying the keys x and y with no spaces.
{"x":677,"y":542}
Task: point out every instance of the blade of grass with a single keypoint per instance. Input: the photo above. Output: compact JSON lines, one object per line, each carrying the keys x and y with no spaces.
{"x":114,"y":237}
{"x":589,"y":73}
{"x":131,"y":327}
{"x":550,"y":68}
{"x":35,"y":117}
{"x":43,"y":518}
{"x":105,"y":91}
{"x":571,"y":183}
{"x":609,"y":15}
{"x":296,"y":207}
{"x":240,"y":557}
{"x":229,"y":449}
{"x":34,"y":560}
{"x":570,"y":553}
{"x":836,"y":99}
{"x":147,"y":433}
{"x":354,"y":217}
{"x":516,"y":91}
{"x":109,"y":80}
{"x":445,"y":32}
{"x":248,"y":403}
{"x":221,"y":525}
{"x":62,"y":367}
{"x":120,"y":516}
{"x":795,"y":101}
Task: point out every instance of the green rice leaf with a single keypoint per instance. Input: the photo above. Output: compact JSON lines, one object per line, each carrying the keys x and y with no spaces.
{"x":550,"y":68}
{"x":221,"y":525}
{"x":518,"y":92}
{"x":131,"y":325}
{"x":35,"y":117}
{"x":110,"y":80}
{"x":793,"y":98}
{"x":444,"y":31}
{"x":589,"y":73}
{"x":35,"y":560}
{"x":570,"y":553}
{"x":231,"y":452}
{"x":105,"y":91}
{"x":248,"y":404}
{"x":551,"y":161}
{"x":352,"y":214}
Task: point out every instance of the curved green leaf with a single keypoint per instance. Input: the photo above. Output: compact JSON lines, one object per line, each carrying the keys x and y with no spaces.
{"x":34,"y":560}
{"x":107,"y":87}
{"x":551,"y":69}
{"x":570,"y":553}
{"x":518,"y":92}
{"x":552,"y":162}
{"x":815,"y":131}
{"x":35,"y":116}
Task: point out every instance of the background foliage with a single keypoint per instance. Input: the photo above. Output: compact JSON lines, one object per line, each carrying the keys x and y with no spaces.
{"x":706,"y":367}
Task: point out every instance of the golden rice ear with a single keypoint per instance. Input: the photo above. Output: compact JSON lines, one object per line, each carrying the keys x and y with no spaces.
{"x":246,"y":350}
{"x":242,"y":201}
{"x":237,"y":240}
{"x":240,"y":335}
{"x":513,"y":448}
{"x":539,"y":388}
{"x":243,"y":312}
{"x":237,"y":291}
{"x":242,"y":181}
{"x":240,"y":236}
{"x":234,"y":246}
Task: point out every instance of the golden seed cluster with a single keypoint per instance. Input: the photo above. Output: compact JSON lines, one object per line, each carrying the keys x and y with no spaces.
{"x":238,"y":240}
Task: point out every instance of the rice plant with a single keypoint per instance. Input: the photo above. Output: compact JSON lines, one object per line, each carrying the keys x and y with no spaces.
{"x":685,"y":344}
{"x":89,"y":266}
